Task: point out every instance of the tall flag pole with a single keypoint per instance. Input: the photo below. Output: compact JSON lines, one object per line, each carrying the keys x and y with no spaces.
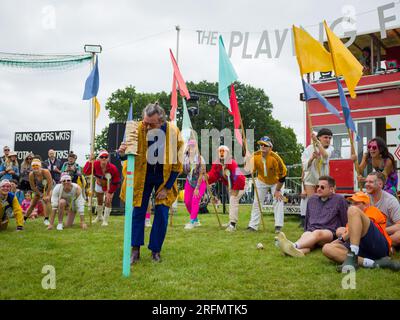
{"x":91,"y":90}
{"x":129,"y":138}
{"x":346,"y":65}
{"x":227,"y":76}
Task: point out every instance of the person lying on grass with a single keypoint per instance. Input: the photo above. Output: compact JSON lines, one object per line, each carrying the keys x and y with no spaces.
{"x":365,"y":241}
{"x":326,"y":211}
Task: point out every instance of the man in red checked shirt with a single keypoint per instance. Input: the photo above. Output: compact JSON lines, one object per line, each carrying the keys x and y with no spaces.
{"x":225,"y":169}
{"x":107,"y":181}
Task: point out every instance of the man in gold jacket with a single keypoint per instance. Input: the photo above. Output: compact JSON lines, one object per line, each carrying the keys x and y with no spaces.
{"x":157,"y":165}
{"x":271,"y":172}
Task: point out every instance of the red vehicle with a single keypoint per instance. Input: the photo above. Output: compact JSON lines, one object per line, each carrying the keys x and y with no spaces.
{"x":375,"y":110}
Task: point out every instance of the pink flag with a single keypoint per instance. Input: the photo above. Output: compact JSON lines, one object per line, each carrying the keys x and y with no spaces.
{"x":236,"y":115}
{"x":174,"y":100}
{"x":183,"y":90}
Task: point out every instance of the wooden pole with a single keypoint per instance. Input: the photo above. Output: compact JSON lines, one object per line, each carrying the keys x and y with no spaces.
{"x":93,"y":134}
{"x":252,"y":177}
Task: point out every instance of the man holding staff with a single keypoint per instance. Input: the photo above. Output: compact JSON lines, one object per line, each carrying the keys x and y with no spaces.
{"x":271,"y":173}
{"x":157,"y":165}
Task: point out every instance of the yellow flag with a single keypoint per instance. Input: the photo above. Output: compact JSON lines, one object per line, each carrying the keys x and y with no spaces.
{"x":97,"y":106}
{"x":344,"y":63}
{"x":311,"y":55}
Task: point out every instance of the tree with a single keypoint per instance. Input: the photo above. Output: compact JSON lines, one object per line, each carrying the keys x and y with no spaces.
{"x":255,"y":109}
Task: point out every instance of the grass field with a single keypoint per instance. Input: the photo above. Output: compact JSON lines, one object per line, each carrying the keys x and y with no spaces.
{"x":204,"y":263}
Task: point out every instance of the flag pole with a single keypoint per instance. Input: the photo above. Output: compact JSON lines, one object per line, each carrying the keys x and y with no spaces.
{"x":126,"y":269}
{"x":93,"y":134}
{"x":355,"y":161}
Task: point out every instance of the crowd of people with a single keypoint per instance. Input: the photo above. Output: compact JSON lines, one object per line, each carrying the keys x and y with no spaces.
{"x":359,"y":230}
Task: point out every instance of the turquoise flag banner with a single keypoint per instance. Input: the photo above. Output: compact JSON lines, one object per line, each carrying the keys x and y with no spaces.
{"x":227,"y":75}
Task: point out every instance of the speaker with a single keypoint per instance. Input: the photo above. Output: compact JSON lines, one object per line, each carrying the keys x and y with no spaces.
{"x":116,"y":133}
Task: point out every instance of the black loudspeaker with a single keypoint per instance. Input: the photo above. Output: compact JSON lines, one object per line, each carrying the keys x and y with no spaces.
{"x":116,"y":133}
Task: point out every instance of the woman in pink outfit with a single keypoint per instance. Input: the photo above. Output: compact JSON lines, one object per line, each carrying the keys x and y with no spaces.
{"x":195,"y":186}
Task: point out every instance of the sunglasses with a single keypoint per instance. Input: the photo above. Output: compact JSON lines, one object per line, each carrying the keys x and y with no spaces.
{"x":6,"y":149}
{"x":265,"y":146}
{"x":66,"y":180}
{"x":372,"y":147}
{"x":103,"y":157}
{"x":321,"y":186}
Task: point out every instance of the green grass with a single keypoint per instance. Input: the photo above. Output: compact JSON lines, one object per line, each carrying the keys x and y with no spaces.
{"x":204,"y":263}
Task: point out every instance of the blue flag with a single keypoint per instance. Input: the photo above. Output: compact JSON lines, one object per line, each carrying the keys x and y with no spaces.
{"x":227,"y":75}
{"x":346,"y":109}
{"x":310,"y":93}
{"x":92,"y":83}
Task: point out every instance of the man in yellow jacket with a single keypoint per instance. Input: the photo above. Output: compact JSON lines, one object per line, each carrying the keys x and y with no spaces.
{"x":9,"y":206}
{"x":271,"y":174}
{"x":157,"y":165}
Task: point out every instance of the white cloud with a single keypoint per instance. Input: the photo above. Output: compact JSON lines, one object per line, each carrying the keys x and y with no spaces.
{"x":41,"y":101}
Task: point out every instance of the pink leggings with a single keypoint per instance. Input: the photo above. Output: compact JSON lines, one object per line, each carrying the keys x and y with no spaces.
{"x":191,"y":201}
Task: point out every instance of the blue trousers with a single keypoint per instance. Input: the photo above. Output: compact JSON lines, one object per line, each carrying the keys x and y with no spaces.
{"x":160,"y":222}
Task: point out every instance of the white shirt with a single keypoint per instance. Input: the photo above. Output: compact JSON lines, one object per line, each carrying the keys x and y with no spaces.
{"x":313,"y":168}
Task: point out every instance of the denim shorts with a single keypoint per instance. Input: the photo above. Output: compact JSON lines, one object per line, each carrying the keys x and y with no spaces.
{"x":373,"y":245}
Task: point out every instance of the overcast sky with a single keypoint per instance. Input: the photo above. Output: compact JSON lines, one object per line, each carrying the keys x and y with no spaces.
{"x":136,"y":36}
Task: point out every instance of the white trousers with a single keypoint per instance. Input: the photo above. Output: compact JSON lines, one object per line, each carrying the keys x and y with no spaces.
{"x":255,"y":211}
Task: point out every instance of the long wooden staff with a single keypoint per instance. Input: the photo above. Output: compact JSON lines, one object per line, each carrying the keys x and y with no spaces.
{"x":212,"y":200}
{"x":252,"y":177}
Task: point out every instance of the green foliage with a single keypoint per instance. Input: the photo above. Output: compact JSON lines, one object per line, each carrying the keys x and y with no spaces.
{"x":255,"y":108}
{"x":119,"y":102}
{"x":101,"y":140}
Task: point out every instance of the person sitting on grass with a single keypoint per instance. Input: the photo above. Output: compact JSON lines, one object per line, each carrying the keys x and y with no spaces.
{"x":67,"y":196}
{"x":9,"y":206}
{"x":326,"y":211}
{"x":365,"y":241}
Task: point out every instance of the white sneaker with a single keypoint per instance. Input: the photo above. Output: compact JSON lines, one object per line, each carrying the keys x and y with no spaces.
{"x":147,"y":223}
{"x":46,"y":222}
{"x":230,"y":228}
{"x":60,"y":227}
{"x":189,"y":226}
{"x":197,"y":224}
{"x":287,"y":247}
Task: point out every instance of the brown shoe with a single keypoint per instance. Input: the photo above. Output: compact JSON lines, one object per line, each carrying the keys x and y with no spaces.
{"x":156,"y":256}
{"x":135,"y":255}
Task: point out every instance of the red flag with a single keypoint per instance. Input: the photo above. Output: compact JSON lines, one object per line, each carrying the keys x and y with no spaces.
{"x":236,"y":115}
{"x":174,"y":100}
{"x":183,"y":90}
